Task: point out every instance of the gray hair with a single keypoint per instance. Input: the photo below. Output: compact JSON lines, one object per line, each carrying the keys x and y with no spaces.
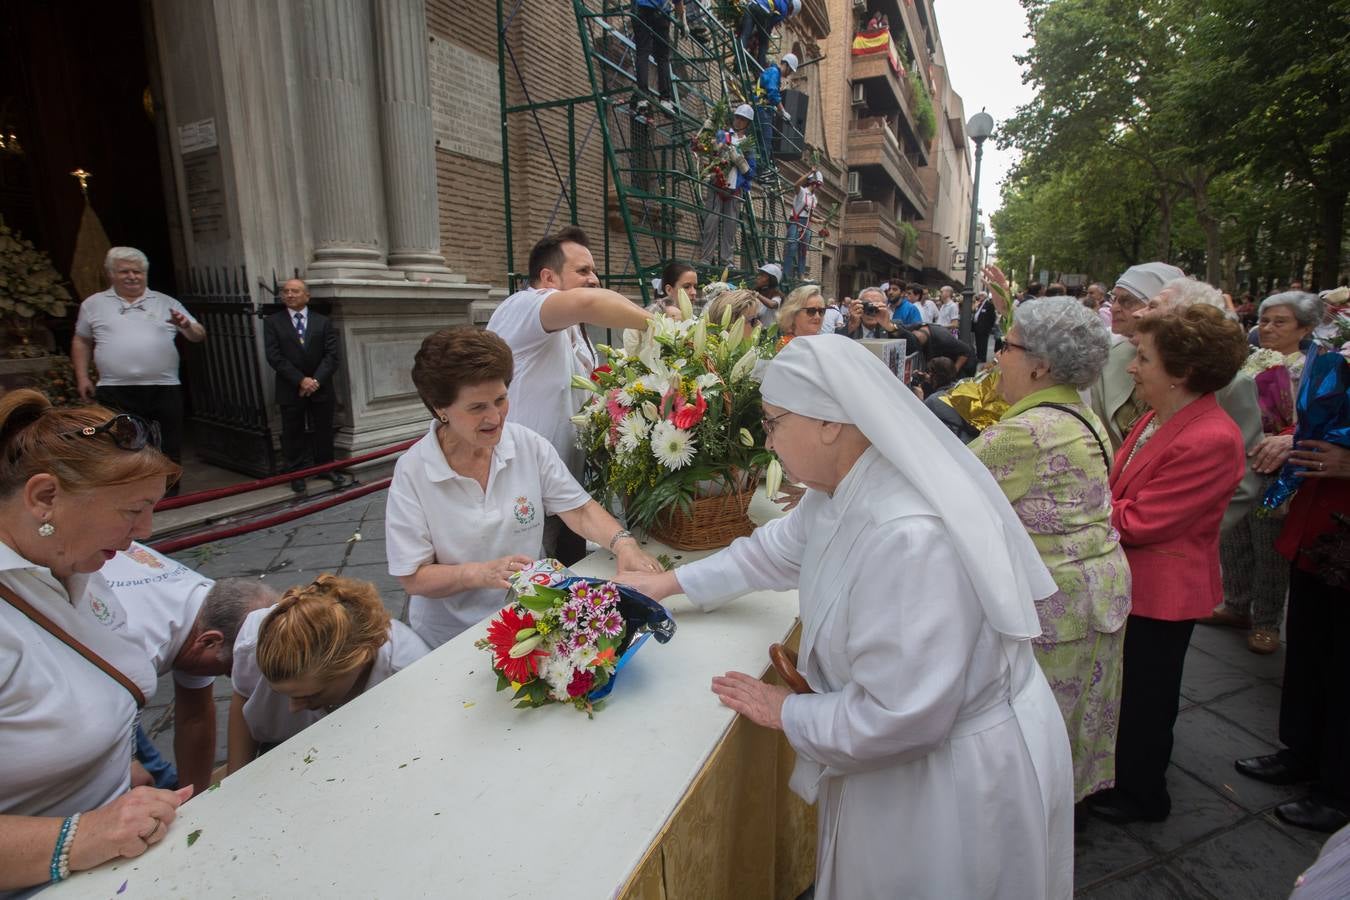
{"x":1308,"y":309}
{"x":789,"y":308}
{"x":228,"y":602}
{"x":1067,"y":335}
{"x":125,"y":254}
{"x":1185,"y":292}
{"x":873,"y":290}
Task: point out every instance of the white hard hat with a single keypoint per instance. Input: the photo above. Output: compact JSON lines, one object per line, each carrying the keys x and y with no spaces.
{"x":791,"y":60}
{"x":773,"y":269}
{"x":745,"y":111}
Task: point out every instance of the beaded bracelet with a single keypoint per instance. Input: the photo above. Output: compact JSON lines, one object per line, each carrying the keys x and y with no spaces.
{"x":60,"y":867}
{"x":618,"y":536}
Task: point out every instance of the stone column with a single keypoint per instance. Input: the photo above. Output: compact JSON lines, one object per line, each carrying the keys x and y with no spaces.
{"x":407,"y":136}
{"x":340,"y":143}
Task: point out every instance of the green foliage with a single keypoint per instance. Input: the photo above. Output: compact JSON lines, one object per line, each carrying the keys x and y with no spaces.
{"x":1207,"y":104}
{"x":29,"y":285}
{"x":924,"y":117}
{"x":909,"y":237}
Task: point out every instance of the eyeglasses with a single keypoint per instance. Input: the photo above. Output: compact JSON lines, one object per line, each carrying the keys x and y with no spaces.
{"x":813,"y":310}
{"x":1016,"y":346}
{"x":769,"y":422}
{"x":128,"y":432}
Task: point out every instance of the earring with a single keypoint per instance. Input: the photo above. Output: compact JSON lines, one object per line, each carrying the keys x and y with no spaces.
{"x":445,"y":420}
{"x":1172,"y":387}
{"x":46,"y":529}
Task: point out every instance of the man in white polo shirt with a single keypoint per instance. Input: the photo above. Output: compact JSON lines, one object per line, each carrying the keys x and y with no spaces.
{"x":187,"y":624}
{"x":129,"y":333}
{"x":544,"y":325}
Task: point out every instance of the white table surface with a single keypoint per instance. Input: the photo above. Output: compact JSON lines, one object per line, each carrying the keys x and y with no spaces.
{"x":433,"y":784}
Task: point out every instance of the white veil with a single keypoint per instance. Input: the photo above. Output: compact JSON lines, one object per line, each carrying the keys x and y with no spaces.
{"x":832,"y":377}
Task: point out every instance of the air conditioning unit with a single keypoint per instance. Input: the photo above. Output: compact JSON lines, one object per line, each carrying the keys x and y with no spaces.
{"x":858,"y":97}
{"x":853,"y":190}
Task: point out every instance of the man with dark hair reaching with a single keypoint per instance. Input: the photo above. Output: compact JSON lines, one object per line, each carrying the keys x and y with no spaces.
{"x":543,"y":324}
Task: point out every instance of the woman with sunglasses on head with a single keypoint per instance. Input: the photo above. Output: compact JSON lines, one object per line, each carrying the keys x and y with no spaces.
{"x":76,"y":486}
{"x":801,"y":314}
{"x":322,"y":645}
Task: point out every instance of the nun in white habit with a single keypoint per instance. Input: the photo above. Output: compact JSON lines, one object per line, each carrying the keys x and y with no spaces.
{"x":932,"y":743}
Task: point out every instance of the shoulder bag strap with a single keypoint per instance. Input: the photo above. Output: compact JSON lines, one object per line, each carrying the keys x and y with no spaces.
{"x":61,"y":634}
{"x":1106,"y":457}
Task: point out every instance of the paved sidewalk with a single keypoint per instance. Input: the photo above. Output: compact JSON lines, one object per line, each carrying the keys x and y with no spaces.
{"x":1221,"y":842}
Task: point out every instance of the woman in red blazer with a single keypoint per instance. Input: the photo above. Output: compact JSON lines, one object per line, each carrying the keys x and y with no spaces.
{"x":1170,"y":484}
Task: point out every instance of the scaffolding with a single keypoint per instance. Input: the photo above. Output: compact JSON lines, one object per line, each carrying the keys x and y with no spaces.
{"x":653,"y":182}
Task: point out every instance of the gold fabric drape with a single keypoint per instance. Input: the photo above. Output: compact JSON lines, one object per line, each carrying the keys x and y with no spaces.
{"x":738,"y":832}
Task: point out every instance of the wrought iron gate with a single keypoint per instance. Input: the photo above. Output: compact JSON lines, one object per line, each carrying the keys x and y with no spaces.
{"x":228,"y":411}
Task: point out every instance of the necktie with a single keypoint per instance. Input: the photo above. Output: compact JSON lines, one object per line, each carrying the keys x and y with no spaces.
{"x":300,"y":328}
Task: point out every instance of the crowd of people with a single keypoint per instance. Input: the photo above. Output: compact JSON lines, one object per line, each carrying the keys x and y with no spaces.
{"x":1075,"y":543}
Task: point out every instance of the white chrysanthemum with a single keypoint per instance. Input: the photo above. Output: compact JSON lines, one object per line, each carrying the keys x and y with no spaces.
{"x":632,"y":431}
{"x":558,"y":668}
{"x":671,"y":446}
{"x":626,"y":397}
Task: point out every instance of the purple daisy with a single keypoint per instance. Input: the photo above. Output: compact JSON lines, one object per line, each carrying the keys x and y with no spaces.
{"x":573,"y":614}
{"x":611,"y":624}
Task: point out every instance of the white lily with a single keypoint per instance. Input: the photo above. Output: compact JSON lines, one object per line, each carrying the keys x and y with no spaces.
{"x":686,"y":308}
{"x":650,"y":411}
{"x":632,"y":338}
{"x":700,"y":337}
{"x":745,"y":365}
{"x":754,"y":335}
{"x":747,"y":439}
{"x":735,"y":333}
{"x":726,"y":316}
{"x":581,"y":419}
{"x":773,"y":478}
{"x":582,"y":383}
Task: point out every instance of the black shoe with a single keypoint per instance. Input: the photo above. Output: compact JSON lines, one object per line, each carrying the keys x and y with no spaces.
{"x":298,"y":485}
{"x":338,"y":479}
{"x":1313,"y":814}
{"x":1121,"y":809}
{"x":1273,"y":769}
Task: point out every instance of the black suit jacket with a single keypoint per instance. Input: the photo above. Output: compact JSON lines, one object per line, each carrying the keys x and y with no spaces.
{"x":317,"y":359}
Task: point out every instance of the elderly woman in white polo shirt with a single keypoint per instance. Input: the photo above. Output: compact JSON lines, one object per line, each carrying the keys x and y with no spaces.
{"x":467,"y":504}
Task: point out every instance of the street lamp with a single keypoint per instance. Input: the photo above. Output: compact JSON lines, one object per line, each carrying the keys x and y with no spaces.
{"x":980,"y":126}
{"x":988,"y":241}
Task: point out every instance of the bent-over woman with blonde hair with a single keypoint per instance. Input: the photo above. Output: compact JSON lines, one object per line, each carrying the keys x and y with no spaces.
{"x":321,"y":646}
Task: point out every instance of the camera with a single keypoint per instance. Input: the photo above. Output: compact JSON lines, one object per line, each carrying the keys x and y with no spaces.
{"x":870,"y":309}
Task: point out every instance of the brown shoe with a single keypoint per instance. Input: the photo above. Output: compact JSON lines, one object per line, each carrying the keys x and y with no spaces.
{"x":1264,"y":640}
{"x":1225,"y":617}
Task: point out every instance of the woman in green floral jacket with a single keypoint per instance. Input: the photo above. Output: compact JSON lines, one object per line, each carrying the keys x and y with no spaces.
{"x":1048,"y":456}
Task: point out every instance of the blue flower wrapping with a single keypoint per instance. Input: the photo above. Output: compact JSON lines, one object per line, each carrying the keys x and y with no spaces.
{"x":643,"y":618}
{"x":1323,"y":415}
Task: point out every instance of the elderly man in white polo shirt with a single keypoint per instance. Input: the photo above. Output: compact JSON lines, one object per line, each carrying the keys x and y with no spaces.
{"x":129,"y":333}
{"x":187,"y":624}
{"x":544,"y":325}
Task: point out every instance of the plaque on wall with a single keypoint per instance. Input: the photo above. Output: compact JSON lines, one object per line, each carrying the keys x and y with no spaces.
{"x":465,"y":102}
{"x":205,"y":189}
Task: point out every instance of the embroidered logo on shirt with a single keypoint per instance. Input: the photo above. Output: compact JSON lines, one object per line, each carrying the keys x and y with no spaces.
{"x":524,"y":510}
{"x":100,"y":610}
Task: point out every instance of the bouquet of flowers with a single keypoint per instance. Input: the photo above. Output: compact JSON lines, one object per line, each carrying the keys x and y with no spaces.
{"x":1272,"y":371}
{"x":1323,"y":415}
{"x":563,"y":638}
{"x":676,"y":415}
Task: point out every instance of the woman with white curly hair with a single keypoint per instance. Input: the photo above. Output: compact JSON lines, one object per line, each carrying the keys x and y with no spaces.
{"x":1049,"y":456}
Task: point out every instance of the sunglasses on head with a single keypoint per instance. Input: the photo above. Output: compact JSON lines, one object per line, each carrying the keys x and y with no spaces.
{"x":127,"y":431}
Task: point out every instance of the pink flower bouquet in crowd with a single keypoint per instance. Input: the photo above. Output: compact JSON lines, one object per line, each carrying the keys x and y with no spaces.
{"x":675,"y":415}
{"x":564,"y":639}
{"x":1274,"y":388}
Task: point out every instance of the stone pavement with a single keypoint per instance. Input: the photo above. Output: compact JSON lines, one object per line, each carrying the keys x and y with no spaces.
{"x":1221,"y":843}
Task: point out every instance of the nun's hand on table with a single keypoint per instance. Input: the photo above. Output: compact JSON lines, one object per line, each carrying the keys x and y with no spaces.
{"x":1320,"y":459}
{"x":657,"y":585}
{"x":1271,"y":453}
{"x":758,"y":701}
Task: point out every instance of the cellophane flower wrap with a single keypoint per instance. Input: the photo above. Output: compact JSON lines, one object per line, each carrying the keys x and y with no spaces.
{"x":563,"y":638}
{"x":1274,"y":374}
{"x":1323,"y":415}
{"x":675,"y":414}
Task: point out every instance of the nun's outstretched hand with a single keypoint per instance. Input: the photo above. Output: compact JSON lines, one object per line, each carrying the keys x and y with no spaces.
{"x":759,"y":702}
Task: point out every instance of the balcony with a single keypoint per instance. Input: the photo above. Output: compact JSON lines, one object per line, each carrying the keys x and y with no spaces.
{"x":869,"y":224}
{"x":888,"y":90}
{"x":871,"y":142}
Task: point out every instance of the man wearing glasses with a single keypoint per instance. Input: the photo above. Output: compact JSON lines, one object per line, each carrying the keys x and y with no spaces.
{"x":128,"y":331}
